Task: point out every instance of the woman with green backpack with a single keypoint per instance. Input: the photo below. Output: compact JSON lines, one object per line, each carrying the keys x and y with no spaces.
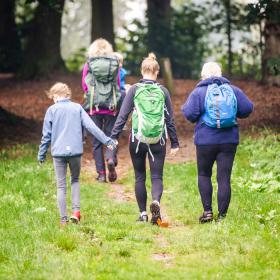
{"x":152,"y":122}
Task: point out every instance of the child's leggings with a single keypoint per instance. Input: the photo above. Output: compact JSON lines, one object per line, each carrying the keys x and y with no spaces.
{"x":223,"y":154}
{"x":60,"y":166}
{"x":156,"y":168}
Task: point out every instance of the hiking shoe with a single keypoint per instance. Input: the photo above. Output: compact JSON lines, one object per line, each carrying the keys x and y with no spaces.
{"x":63,"y":223}
{"x":112,"y":171}
{"x":221,"y":217}
{"x":101,"y":178}
{"x":76,"y":217}
{"x":155,"y":210}
{"x":206,"y":217}
{"x":143,"y":218}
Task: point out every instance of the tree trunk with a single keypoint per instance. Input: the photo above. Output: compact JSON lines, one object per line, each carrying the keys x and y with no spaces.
{"x":158,"y":14}
{"x":42,"y":54}
{"x":227,"y":4}
{"x":271,"y":54}
{"x":261,"y":46}
{"x":102,"y":20}
{"x":166,"y":70}
{"x":10,"y":44}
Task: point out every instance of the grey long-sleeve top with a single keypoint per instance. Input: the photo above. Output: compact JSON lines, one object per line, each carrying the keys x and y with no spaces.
{"x":62,"y":129}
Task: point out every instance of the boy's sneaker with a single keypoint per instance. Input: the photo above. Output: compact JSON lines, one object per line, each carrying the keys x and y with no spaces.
{"x":101,"y":178}
{"x":155,"y":210}
{"x":143,"y":218}
{"x":112,"y":171}
{"x":63,"y":223}
{"x":206,"y":217}
{"x":76,"y":217}
{"x":221,"y":217}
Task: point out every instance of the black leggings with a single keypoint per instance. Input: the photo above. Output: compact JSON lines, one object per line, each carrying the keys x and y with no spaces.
{"x":156,"y":169}
{"x":223,"y":154}
{"x":105,"y":123}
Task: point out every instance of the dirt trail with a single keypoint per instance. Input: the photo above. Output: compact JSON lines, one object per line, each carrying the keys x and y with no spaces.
{"x":120,"y":194}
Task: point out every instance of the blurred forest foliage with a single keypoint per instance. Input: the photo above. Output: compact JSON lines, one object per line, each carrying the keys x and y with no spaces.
{"x":243,"y":36}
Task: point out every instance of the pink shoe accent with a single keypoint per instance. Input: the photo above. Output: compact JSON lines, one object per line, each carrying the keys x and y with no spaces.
{"x":76,"y":217}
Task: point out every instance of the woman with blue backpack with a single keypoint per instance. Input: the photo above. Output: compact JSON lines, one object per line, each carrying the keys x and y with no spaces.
{"x":152,"y":122}
{"x":214,"y":105}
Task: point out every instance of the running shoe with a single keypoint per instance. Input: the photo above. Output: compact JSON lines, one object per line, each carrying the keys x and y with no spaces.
{"x":101,"y":178}
{"x":206,"y":217}
{"x":221,"y":217}
{"x":143,"y":218}
{"x":112,"y":171}
{"x":63,"y":222}
{"x":155,"y":210}
{"x":76,"y":217}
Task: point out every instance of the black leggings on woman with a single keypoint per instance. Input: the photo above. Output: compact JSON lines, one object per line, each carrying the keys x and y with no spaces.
{"x":156,"y":168}
{"x":223,"y":154}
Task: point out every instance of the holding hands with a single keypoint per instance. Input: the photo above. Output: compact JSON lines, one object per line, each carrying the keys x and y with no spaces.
{"x":113,"y":144}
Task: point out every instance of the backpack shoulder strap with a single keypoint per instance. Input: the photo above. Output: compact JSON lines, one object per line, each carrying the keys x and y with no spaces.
{"x":140,"y":87}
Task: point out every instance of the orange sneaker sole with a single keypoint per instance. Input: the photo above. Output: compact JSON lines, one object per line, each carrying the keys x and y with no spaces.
{"x":160,"y":223}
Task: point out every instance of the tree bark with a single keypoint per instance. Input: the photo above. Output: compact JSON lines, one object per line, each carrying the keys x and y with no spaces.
{"x":166,"y":70}
{"x":42,"y":54}
{"x":227,"y":4}
{"x":271,"y":54}
{"x":261,"y":46}
{"x":158,"y":14}
{"x":102,"y":20}
{"x":10,"y":43}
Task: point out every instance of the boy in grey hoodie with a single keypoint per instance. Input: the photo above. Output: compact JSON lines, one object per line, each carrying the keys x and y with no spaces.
{"x":62,"y":128}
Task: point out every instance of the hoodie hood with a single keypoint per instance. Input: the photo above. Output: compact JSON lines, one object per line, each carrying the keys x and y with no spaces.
{"x":209,"y":81}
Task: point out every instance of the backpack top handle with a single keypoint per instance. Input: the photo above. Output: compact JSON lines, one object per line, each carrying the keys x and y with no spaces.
{"x":217,"y":81}
{"x":109,"y":57}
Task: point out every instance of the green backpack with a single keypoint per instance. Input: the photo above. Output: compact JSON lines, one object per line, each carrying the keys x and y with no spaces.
{"x":102,"y":84}
{"x":148,"y":121}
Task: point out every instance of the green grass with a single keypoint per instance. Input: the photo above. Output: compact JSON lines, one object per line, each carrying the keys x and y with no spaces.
{"x":108,"y":244}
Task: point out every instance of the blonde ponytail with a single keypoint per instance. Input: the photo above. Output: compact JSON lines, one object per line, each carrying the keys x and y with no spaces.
{"x":151,"y":55}
{"x":149,"y":64}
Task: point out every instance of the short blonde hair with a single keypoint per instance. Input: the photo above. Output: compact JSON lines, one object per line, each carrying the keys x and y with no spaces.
{"x":150,"y":64}
{"x":211,"y":69}
{"x":100,"y":47}
{"x":119,"y":56}
{"x":59,"y":89}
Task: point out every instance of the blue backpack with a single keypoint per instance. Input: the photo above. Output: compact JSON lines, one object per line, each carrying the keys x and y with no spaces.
{"x":220,"y":105}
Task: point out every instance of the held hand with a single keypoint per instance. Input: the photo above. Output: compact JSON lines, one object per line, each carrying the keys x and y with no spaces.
{"x":110,"y":147}
{"x":174,"y":151}
{"x":113,"y":146}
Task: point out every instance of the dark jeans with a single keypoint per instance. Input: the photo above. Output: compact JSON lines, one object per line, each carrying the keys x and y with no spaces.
{"x":156,"y":169}
{"x":224,"y":155}
{"x":105,"y":123}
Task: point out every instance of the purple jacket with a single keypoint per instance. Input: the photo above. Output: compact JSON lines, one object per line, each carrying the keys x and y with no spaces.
{"x":194,"y":108}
